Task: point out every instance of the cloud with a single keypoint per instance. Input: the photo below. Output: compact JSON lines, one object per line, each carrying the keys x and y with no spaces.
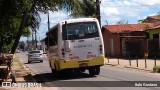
{"x":54,"y":17}
{"x":109,"y":20}
{"x":146,"y":2}
{"x":113,"y":11}
{"x":108,"y":11}
{"x":121,"y":9}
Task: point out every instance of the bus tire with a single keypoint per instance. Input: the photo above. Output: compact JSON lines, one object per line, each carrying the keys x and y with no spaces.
{"x":29,"y":61}
{"x":82,"y":70}
{"x":94,"y":70}
{"x":54,"y":73}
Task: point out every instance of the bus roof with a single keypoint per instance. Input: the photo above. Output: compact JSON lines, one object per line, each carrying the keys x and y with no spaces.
{"x":52,"y":28}
{"x":80,"y":20}
{"x":72,"y":21}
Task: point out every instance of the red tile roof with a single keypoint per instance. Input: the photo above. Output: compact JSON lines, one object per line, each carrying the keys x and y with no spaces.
{"x":127,"y":27}
{"x":154,"y":17}
{"x":154,"y":27}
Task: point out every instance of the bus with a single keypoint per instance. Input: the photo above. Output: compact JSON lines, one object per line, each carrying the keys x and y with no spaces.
{"x":75,"y":45}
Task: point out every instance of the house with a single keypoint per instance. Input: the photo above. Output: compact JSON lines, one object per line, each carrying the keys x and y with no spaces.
{"x":155,"y":30}
{"x":153,"y":19}
{"x":125,"y":39}
{"x":154,"y":36}
{"x":154,"y":41}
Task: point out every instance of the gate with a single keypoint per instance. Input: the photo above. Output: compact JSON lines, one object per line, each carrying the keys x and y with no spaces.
{"x":135,"y":47}
{"x":153,"y":47}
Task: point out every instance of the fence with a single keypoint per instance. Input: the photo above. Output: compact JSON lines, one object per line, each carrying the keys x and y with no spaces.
{"x":140,"y":47}
{"x":136,"y":62}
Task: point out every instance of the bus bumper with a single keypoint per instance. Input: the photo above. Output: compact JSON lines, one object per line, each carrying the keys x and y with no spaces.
{"x":71,"y":64}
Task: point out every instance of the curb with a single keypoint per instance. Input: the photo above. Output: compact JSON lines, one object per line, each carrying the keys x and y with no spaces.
{"x":144,"y":69}
{"x":28,"y":70}
{"x":32,"y":73}
{"x":111,"y":64}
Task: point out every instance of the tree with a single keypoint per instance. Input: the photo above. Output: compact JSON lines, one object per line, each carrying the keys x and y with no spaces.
{"x":10,"y":17}
{"x":17,"y":16}
{"x":142,"y":21}
{"x":88,"y":9}
{"x":71,"y":6}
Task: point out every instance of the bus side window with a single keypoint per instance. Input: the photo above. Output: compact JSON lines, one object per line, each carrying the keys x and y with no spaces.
{"x":53,"y":40}
{"x":64,"y":33}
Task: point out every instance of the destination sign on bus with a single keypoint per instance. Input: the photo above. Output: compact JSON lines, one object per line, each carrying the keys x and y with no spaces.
{"x":81,"y":46}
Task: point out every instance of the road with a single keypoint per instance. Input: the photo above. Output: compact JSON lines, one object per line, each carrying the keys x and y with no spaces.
{"x":109,"y":76}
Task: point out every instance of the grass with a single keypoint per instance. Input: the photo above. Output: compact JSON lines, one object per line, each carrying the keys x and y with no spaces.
{"x":17,"y":60}
{"x":156,"y":69}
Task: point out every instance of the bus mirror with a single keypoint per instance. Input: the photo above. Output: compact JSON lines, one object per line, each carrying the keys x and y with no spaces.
{"x":67,"y":45}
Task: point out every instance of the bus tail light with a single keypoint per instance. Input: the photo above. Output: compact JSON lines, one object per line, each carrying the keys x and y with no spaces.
{"x":63,"y":53}
{"x":100,"y":48}
{"x":62,"y":49}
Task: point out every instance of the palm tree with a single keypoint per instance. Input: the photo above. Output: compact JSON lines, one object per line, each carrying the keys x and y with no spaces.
{"x":30,"y":17}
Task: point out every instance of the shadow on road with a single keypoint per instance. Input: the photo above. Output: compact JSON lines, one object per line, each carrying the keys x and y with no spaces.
{"x":48,"y":77}
{"x":33,"y":62}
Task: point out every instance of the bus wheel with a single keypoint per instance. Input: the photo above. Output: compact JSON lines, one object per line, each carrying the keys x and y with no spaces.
{"x":94,"y":70}
{"x":82,"y":70}
{"x":54,"y":73}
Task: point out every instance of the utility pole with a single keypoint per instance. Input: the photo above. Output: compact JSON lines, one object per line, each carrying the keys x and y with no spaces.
{"x":32,"y":39}
{"x":27,"y":44}
{"x":98,"y":11}
{"x":48,"y":27}
{"x":36,"y":38}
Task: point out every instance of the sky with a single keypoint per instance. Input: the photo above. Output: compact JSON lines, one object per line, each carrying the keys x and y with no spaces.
{"x":111,"y":12}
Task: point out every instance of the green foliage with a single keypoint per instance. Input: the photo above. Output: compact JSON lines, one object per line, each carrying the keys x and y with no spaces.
{"x":156,"y":69}
{"x":142,"y":21}
{"x":78,"y":8}
{"x":26,"y":32}
{"x":89,"y":8}
{"x":10,"y":19}
{"x":7,"y":45}
{"x":11,"y":12}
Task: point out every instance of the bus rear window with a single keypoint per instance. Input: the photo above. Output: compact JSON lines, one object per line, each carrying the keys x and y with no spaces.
{"x":80,"y":30}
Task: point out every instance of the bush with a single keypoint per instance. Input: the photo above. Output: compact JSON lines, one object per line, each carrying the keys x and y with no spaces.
{"x":156,"y":69}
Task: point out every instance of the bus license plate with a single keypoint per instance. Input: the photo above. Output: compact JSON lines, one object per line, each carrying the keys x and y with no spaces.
{"x":83,"y":65}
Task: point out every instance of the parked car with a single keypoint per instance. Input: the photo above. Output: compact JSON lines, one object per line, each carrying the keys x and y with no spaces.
{"x":35,"y":55}
{"x":41,"y":51}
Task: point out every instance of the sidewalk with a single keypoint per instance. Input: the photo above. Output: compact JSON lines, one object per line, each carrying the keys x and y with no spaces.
{"x":150,"y":63}
{"x":22,"y":74}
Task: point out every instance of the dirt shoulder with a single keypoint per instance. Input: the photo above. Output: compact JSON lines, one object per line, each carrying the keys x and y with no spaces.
{"x":22,"y":73}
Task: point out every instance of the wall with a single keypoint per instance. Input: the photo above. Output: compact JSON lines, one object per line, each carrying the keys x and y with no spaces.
{"x":151,"y":32}
{"x":117,"y":46}
{"x":107,"y":37}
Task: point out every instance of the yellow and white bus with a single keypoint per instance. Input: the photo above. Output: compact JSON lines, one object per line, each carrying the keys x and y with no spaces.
{"x":76,"y":45}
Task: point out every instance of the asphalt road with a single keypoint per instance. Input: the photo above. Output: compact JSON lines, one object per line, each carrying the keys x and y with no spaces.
{"x":110,"y":78}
